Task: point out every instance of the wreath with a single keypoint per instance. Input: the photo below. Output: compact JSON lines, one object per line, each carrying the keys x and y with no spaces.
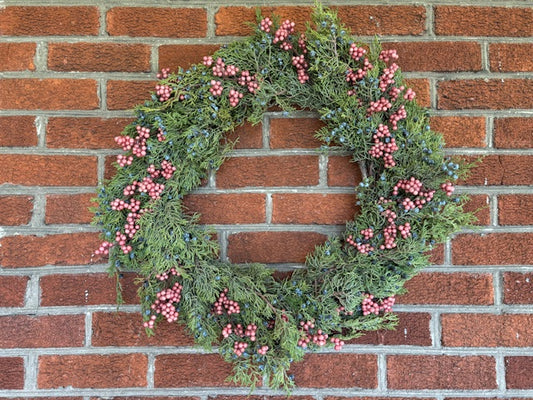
{"x":260,"y":323}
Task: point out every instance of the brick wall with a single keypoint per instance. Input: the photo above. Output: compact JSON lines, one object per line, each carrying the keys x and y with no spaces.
{"x":69,"y":73}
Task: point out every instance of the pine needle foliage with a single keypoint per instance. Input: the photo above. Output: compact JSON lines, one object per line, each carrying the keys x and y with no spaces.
{"x":187,"y":131}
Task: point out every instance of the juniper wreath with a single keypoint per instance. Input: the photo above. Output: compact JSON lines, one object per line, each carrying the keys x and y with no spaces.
{"x":259,"y":323}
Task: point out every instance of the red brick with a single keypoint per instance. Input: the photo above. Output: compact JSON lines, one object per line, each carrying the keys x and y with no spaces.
{"x":54,"y":170}
{"x":299,"y":208}
{"x":336,"y":370}
{"x":86,"y":289}
{"x":511,"y":57}
{"x":436,"y":254}
{"x":63,"y":249}
{"x":161,"y":22}
{"x":17,"y":131}
{"x":516,"y":375}
{"x":110,"y":168}
{"x":124,"y":95}
{"x":69,"y":208}
{"x":268,"y":171}
{"x":183,"y":55}
{"x":246,"y":136}
{"x":191,"y":370}
{"x":362,"y":20}
{"x":376,"y":398}
{"x":421,"y":88}
{"x":106,"y":57}
{"x":501,"y":170}
{"x":84,"y":132}
{"x":412,"y":330}
{"x":92,"y":371}
{"x":148,"y":397}
{"x":479,"y":205}
{"x":441,"y":372}
{"x":518,"y":288}
{"x":15,"y":210}
{"x":294,"y":132}
{"x":49,"y":94}
{"x":342,"y":171}
{"x":487,"y":330}
{"x":242,"y":208}
{"x":449,"y":288}
{"x":11,"y":373}
{"x":125,"y":329}
{"x":27,"y":331}
{"x":493,"y":249}
{"x":17,"y":56}
{"x":258,"y":397}
{"x":445,"y":56}
{"x":483,"y":21}
{"x":497,"y":94}
{"x":513,"y":133}
{"x":12,"y":290}
{"x":44,"y":21}
{"x":272,"y":247}
{"x":461,"y":131}
{"x":515,"y":209}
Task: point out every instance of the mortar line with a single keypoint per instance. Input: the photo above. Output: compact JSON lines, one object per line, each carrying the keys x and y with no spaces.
{"x":41,"y":56}
{"x":150,"y":373}
{"x":39,"y":211}
{"x":489,"y":126}
{"x":485,"y":60}
{"x":494,"y":210}
{"x":268,"y":208}
{"x":32,"y":295}
{"x":382,"y":372}
{"x":88,"y":329}
{"x":41,"y":122}
{"x":430,"y":21}
{"x":436,"y":330}
{"x":500,"y":371}
{"x":31,"y":362}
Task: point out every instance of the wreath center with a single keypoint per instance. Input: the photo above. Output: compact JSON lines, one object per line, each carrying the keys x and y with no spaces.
{"x":348,"y":286}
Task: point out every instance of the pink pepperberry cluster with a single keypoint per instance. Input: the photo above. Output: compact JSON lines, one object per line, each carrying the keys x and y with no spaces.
{"x":363,"y":248}
{"x":397,"y":116}
{"x":387,"y":55}
{"x":354,"y":76}
{"x":283,"y":33}
{"x":104,"y":248}
{"x":216,"y":88}
{"x":378,"y":106}
{"x":371,"y":306}
{"x":341,"y":309}
{"x":307,"y":328}
{"x":249,"y":81}
{"x":262,"y":350}
{"x":165,"y":275}
{"x":302,"y":43}
{"x":163,"y":91}
{"x":234,"y":97}
{"x":265,"y":24}
{"x":166,"y":171}
{"x":337,"y":343}
{"x":384,"y":146}
{"x":387,"y":78}
{"x":164,"y":74}
{"x":223,"y":304}
{"x":413,"y":186}
{"x":137,"y":145}
{"x":356,"y":52}
{"x":166,"y":300}
{"x":448,"y":188}
{"x":239,"y":348}
{"x":301,"y":67}
{"x":161,"y":135}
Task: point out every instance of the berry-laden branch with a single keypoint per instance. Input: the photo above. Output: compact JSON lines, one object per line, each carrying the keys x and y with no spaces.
{"x":406,"y":197}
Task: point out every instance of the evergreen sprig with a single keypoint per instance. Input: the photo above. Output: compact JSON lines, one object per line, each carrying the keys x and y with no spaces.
{"x":262,"y":324}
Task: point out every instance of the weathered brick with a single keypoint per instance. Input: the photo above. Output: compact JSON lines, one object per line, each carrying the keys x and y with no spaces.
{"x":483,"y":21}
{"x":124,"y":95}
{"x":28,"y":331}
{"x":245,"y":136}
{"x":497,"y":94}
{"x":449,"y":288}
{"x":191,"y":370}
{"x":272,"y":247}
{"x":17,"y":56}
{"x":125,"y":329}
{"x":268,"y":171}
{"x":106,"y":57}
{"x":17,"y":131}
{"x":300,"y":208}
{"x":336,"y":370}
{"x":69,"y":208}
{"x":412,"y":330}
{"x":445,"y":56}
{"x":515,"y":209}
{"x":487,"y":330}
{"x":441,"y":372}
{"x":12,"y":290}
{"x":479,"y":205}
{"x":183,"y":55}
{"x":518,"y":288}
{"x":84,"y":132}
{"x":44,"y":21}
{"x":53,"y":170}
{"x":511,"y":57}
{"x":48,"y":94}
{"x":242,"y":208}
{"x":11,"y":373}
{"x":15,"y":210}
{"x":63,"y":249}
{"x":501,"y":170}
{"x":461,"y":131}
{"x":342,"y":171}
{"x":493,"y":249}
{"x":92,"y":371}
{"x":421,"y":88}
{"x":160,"y":22}
{"x":294,"y":133}
{"x":515,"y":372}
{"x":86,"y":289}
{"x":513,"y":133}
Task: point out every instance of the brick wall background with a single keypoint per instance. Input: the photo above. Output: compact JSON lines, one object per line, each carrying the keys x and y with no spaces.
{"x":70,"y":70}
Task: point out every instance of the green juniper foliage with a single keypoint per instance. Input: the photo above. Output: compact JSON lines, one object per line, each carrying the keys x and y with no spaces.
{"x":258,"y":323}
